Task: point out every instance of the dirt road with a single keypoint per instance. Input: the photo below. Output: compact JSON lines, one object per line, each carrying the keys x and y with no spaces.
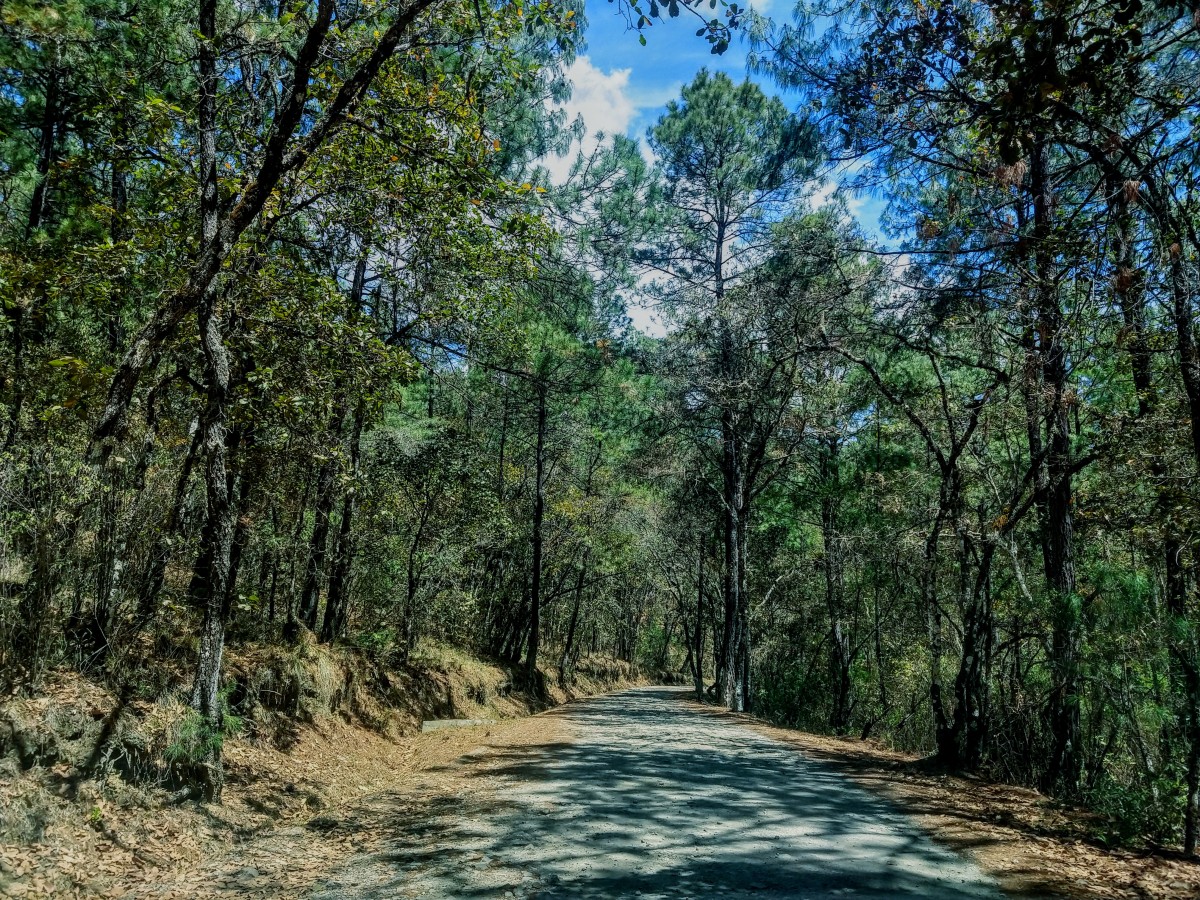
{"x":652,"y":798}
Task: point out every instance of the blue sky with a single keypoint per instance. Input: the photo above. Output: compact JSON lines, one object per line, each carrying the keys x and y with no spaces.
{"x":621,"y":86}
{"x":672,"y":56}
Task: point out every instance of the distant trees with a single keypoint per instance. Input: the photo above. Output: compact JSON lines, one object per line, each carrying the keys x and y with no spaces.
{"x":730,"y":159}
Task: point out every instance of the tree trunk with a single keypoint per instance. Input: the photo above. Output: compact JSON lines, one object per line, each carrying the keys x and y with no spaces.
{"x":734,"y":692}
{"x":1066,"y":759}
{"x":318,"y":543}
{"x":291,"y":625}
{"x":972,"y":712}
{"x":732,"y":689}
{"x":214,"y":583}
{"x":698,"y":634}
{"x":33,"y":608}
{"x":338,"y":601}
{"x":50,"y":136}
{"x":1184,"y":649}
{"x":839,"y":637}
{"x":219,"y":526}
{"x":241,"y":530}
{"x":564,"y":673}
{"x":933,"y":616}
{"x":1129,"y":290}
{"x":664,"y":651}
{"x":539,"y":512}
{"x":160,"y":552}
{"x":412,"y":580}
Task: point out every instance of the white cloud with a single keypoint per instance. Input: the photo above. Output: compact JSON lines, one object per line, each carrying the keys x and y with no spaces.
{"x":763,"y":7}
{"x":823,"y":193}
{"x":644,"y":317}
{"x":839,"y":186}
{"x":603,"y":100}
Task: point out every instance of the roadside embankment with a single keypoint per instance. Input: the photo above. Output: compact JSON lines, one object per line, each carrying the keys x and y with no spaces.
{"x":92,"y":797}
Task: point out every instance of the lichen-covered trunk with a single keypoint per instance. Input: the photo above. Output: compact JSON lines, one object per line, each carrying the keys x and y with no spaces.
{"x":213,"y":583}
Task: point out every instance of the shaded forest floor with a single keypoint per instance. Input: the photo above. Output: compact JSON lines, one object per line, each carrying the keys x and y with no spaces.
{"x":1032,"y":845}
{"x":287,"y":775}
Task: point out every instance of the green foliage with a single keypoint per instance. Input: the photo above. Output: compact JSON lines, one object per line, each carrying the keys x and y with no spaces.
{"x":946,"y":498}
{"x":1136,"y":813}
{"x":197,"y":740}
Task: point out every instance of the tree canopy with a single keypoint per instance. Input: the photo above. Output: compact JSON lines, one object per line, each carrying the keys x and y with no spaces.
{"x":300,"y":342}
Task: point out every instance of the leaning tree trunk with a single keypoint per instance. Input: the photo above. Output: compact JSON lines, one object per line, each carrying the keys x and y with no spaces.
{"x":285,"y":151}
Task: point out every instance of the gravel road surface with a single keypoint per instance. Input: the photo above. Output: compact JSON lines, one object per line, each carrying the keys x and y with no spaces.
{"x":652,"y":798}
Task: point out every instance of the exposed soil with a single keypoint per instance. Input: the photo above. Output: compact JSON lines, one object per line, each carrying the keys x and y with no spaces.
{"x":340,"y":746}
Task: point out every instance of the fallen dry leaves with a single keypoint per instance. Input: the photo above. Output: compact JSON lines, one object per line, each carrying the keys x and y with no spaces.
{"x":288,"y":817}
{"x":287,"y":861}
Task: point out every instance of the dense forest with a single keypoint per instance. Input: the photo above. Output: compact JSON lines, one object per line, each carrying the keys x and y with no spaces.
{"x":300,"y":340}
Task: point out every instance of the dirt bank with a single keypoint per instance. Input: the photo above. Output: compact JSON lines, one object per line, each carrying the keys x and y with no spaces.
{"x":89,"y":795}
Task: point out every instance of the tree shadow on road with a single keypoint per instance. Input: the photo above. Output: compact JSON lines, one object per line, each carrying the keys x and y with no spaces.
{"x":661,"y":814}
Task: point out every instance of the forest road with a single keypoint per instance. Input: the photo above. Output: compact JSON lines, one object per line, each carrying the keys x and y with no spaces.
{"x":653,"y":798}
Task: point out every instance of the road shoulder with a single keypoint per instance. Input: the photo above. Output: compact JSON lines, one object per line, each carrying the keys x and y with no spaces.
{"x":440,"y":768}
{"x":1032,"y":846}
